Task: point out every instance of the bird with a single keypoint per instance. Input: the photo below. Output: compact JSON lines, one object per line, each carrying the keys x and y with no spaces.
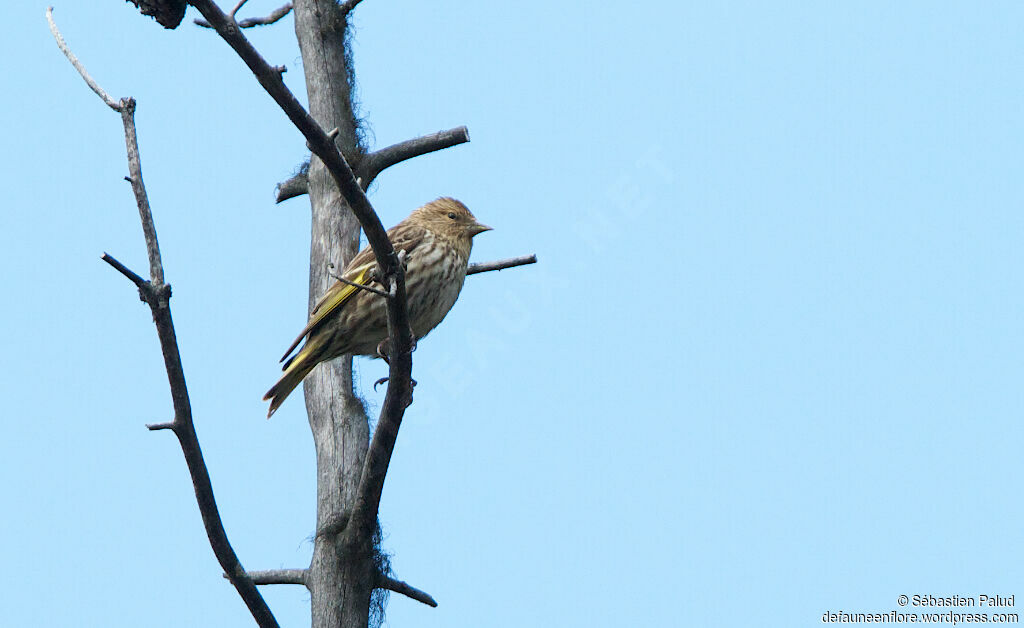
{"x":435,"y":240}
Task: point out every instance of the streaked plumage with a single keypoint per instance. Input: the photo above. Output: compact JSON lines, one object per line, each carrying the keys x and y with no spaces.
{"x":437,"y":239}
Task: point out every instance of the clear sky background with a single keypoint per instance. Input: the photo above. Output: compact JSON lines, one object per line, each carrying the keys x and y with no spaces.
{"x":769,"y":364}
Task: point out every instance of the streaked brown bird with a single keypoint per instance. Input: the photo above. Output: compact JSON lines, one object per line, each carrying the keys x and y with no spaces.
{"x":437,"y":239}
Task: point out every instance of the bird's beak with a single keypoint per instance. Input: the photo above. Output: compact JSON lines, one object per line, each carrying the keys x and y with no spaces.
{"x":479,"y":228}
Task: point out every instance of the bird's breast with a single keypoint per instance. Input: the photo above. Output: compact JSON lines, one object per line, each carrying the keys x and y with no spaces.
{"x":434,"y":279}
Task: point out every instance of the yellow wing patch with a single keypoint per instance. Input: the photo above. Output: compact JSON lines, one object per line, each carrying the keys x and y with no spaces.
{"x":332,"y":300}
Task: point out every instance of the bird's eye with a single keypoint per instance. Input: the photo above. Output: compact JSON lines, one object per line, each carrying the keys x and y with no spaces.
{"x":451,"y":215}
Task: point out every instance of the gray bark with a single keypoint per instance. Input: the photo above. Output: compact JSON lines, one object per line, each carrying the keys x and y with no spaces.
{"x":340,"y":579}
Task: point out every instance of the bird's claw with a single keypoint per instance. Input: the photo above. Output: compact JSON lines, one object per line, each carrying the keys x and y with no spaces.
{"x":383,"y":354}
{"x":383,"y":380}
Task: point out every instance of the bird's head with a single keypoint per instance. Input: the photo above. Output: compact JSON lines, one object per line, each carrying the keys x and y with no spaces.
{"x":449,"y":217}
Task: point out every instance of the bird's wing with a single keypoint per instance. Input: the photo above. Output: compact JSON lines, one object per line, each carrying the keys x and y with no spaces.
{"x":332,"y":299}
{"x":359,"y":271}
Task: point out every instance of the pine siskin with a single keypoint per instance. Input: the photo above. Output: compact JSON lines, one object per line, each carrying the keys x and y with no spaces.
{"x":437,"y":239}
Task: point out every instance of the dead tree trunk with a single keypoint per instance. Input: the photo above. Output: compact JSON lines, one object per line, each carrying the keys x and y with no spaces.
{"x":340,"y":579}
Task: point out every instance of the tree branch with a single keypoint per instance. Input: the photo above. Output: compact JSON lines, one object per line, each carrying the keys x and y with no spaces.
{"x":501,"y":264}
{"x":376,"y":162}
{"x":249,"y":22}
{"x":359,"y":286}
{"x":156,"y":268}
{"x":399,"y":394}
{"x":139,"y":282}
{"x":238,"y":7}
{"x":93,"y":85}
{"x":295,"y":186}
{"x":157,"y":294}
{"x":405,"y":589}
{"x":372,"y":164}
{"x":278,"y":576}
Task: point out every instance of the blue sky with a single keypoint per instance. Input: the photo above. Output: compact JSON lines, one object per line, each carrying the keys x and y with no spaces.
{"x":768,"y":366}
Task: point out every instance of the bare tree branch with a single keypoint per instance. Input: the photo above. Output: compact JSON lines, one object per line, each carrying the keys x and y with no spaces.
{"x":139,"y":282}
{"x":362,"y":522}
{"x":376,"y":162}
{"x":238,"y":7}
{"x":278,"y":576}
{"x":408,"y":591}
{"x":93,"y":85}
{"x":295,"y":186}
{"x":372,"y":164}
{"x":249,"y":22}
{"x":157,"y":295}
{"x":502,"y":264}
{"x":156,"y":267}
{"x":359,"y":286}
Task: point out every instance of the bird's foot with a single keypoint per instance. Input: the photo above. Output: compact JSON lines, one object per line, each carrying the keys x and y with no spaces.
{"x":382,"y":350}
{"x":384,"y":380}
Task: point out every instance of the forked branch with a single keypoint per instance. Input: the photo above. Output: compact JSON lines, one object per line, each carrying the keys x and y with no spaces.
{"x":249,"y":22}
{"x":157,"y":294}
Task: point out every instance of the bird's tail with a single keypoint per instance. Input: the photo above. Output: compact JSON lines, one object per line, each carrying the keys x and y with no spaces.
{"x":295,"y":370}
